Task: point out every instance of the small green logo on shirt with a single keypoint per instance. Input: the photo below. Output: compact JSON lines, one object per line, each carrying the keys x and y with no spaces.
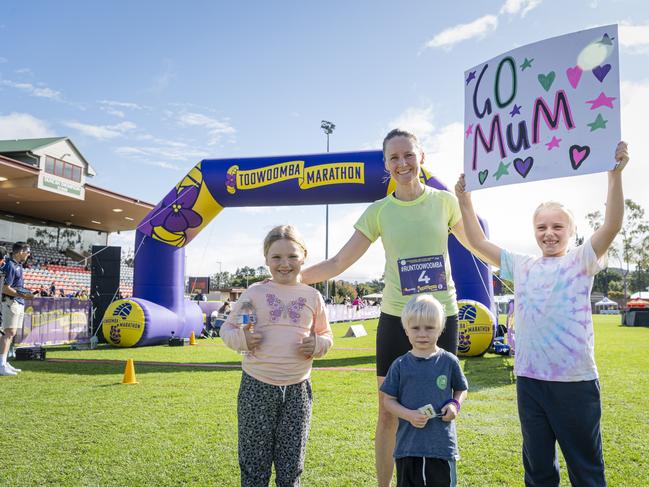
{"x":442,"y":382}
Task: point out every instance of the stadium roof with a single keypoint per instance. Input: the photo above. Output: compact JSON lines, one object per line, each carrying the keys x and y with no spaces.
{"x":22,"y":201}
{"x":16,"y":146}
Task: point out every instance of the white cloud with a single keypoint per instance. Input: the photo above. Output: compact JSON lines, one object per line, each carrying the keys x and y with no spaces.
{"x":102,"y":132}
{"x":416,"y":120}
{"x":117,"y":108}
{"x":121,"y":104}
{"x":46,"y":93}
{"x":634,"y":38}
{"x":130,"y":151}
{"x":42,"y":91}
{"x":635,"y":99}
{"x":176,"y":151}
{"x":513,"y":7}
{"x":112,"y":111}
{"x":23,"y":126}
{"x":479,"y":28}
{"x":216,"y":129}
{"x":163,"y":165}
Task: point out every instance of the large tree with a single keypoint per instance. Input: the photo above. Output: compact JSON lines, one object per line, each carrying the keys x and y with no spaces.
{"x":245,"y":276}
{"x":631,"y":247}
{"x":221,"y":280}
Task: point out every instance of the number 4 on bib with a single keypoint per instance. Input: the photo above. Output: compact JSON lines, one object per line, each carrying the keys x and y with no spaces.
{"x":423,"y":278}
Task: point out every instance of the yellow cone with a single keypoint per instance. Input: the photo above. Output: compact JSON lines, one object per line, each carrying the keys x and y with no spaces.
{"x":192,"y":339}
{"x":129,"y":373}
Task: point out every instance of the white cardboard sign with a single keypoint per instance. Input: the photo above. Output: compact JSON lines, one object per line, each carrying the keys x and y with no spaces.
{"x":546,"y":110}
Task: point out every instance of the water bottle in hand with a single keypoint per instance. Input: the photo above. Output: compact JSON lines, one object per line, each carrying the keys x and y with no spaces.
{"x":247,"y":316}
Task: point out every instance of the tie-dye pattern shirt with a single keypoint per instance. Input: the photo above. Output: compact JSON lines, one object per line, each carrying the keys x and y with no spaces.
{"x":553,"y":316}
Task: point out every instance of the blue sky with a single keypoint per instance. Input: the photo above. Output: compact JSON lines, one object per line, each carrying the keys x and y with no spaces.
{"x":146,"y":89}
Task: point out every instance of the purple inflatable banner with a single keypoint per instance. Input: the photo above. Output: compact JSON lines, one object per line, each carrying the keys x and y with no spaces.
{"x":159,"y":308}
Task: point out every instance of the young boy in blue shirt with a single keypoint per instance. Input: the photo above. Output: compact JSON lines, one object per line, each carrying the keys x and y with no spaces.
{"x":425,"y":388}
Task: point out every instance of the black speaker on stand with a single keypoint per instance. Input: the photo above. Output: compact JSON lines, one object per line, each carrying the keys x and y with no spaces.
{"x":104,"y":282}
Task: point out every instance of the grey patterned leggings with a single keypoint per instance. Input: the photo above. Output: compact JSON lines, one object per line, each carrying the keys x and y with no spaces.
{"x":274,"y":426}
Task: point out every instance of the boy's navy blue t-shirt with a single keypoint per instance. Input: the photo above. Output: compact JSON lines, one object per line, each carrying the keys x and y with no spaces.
{"x":415,"y":382}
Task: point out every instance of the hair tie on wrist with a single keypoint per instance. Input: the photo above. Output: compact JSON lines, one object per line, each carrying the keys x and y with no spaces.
{"x":454,"y":401}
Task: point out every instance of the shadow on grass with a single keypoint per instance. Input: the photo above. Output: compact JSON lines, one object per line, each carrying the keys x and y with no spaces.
{"x":110,"y":367}
{"x":366,"y":361}
{"x":489,"y":371}
{"x":117,"y":367}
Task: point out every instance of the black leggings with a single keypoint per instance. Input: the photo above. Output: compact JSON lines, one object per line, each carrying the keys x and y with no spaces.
{"x":392,"y":341}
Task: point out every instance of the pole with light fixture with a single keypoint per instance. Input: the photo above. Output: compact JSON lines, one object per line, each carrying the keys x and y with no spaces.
{"x":328,"y":128}
{"x":220,"y":274}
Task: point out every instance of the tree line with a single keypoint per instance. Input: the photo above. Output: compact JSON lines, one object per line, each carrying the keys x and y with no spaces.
{"x":338,"y":289}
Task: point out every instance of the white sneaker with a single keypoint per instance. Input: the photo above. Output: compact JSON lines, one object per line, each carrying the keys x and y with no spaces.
{"x":6,"y":371}
{"x":11,"y":367}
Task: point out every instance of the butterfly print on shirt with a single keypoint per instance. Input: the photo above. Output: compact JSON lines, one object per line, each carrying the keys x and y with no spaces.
{"x":279,"y":309}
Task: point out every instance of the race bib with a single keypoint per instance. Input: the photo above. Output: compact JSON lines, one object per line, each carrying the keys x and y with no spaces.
{"x":422,"y":274}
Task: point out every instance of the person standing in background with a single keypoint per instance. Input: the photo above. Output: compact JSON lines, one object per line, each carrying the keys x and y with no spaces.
{"x":13,"y":303}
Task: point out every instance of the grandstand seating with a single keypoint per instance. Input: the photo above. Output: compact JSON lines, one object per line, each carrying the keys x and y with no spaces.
{"x":49,"y":265}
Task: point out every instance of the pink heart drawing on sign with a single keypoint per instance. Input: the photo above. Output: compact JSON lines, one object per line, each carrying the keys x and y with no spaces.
{"x":578,"y":155}
{"x":574,"y":75}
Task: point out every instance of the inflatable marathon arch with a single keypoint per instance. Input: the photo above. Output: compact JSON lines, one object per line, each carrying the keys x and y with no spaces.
{"x":159,"y":307}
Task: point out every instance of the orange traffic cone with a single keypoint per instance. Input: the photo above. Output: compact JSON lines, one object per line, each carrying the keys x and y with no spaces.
{"x":192,"y":339}
{"x":129,"y":373}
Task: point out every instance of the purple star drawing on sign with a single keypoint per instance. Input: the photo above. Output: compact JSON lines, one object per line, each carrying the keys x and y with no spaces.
{"x":469,"y":130}
{"x":516,"y":110}
{"x":176,"y":214}
{"x":470,"y":77}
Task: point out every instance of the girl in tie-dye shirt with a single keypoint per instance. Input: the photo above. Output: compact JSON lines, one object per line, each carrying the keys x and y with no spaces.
{"x":275,"y":399}
{"x":557,"y":382}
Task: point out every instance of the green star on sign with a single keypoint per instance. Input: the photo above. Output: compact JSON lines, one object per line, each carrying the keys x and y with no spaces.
{"x":599,"y":123}
{"x":526,"y":64}
{"x":502,"y":170}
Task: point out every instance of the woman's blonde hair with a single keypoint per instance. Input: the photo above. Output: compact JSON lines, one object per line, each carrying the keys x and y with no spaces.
{"x":423,"y":308}
{"x":283,"y":232}
{"x":555,"y":205}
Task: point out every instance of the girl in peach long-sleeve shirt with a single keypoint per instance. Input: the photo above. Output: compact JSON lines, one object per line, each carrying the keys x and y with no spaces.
{"x":275,"y":399}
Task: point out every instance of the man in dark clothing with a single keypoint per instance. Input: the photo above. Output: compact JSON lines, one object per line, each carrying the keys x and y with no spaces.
{"x":13,"y":303}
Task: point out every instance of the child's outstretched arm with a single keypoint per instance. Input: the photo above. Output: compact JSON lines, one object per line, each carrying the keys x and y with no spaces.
{"x":353,"y":250}
{"x":614,"y":216}
{"x":472,"y":229}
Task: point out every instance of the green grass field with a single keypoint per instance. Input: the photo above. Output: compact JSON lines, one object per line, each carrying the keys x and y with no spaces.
{"x":66,"y":423}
